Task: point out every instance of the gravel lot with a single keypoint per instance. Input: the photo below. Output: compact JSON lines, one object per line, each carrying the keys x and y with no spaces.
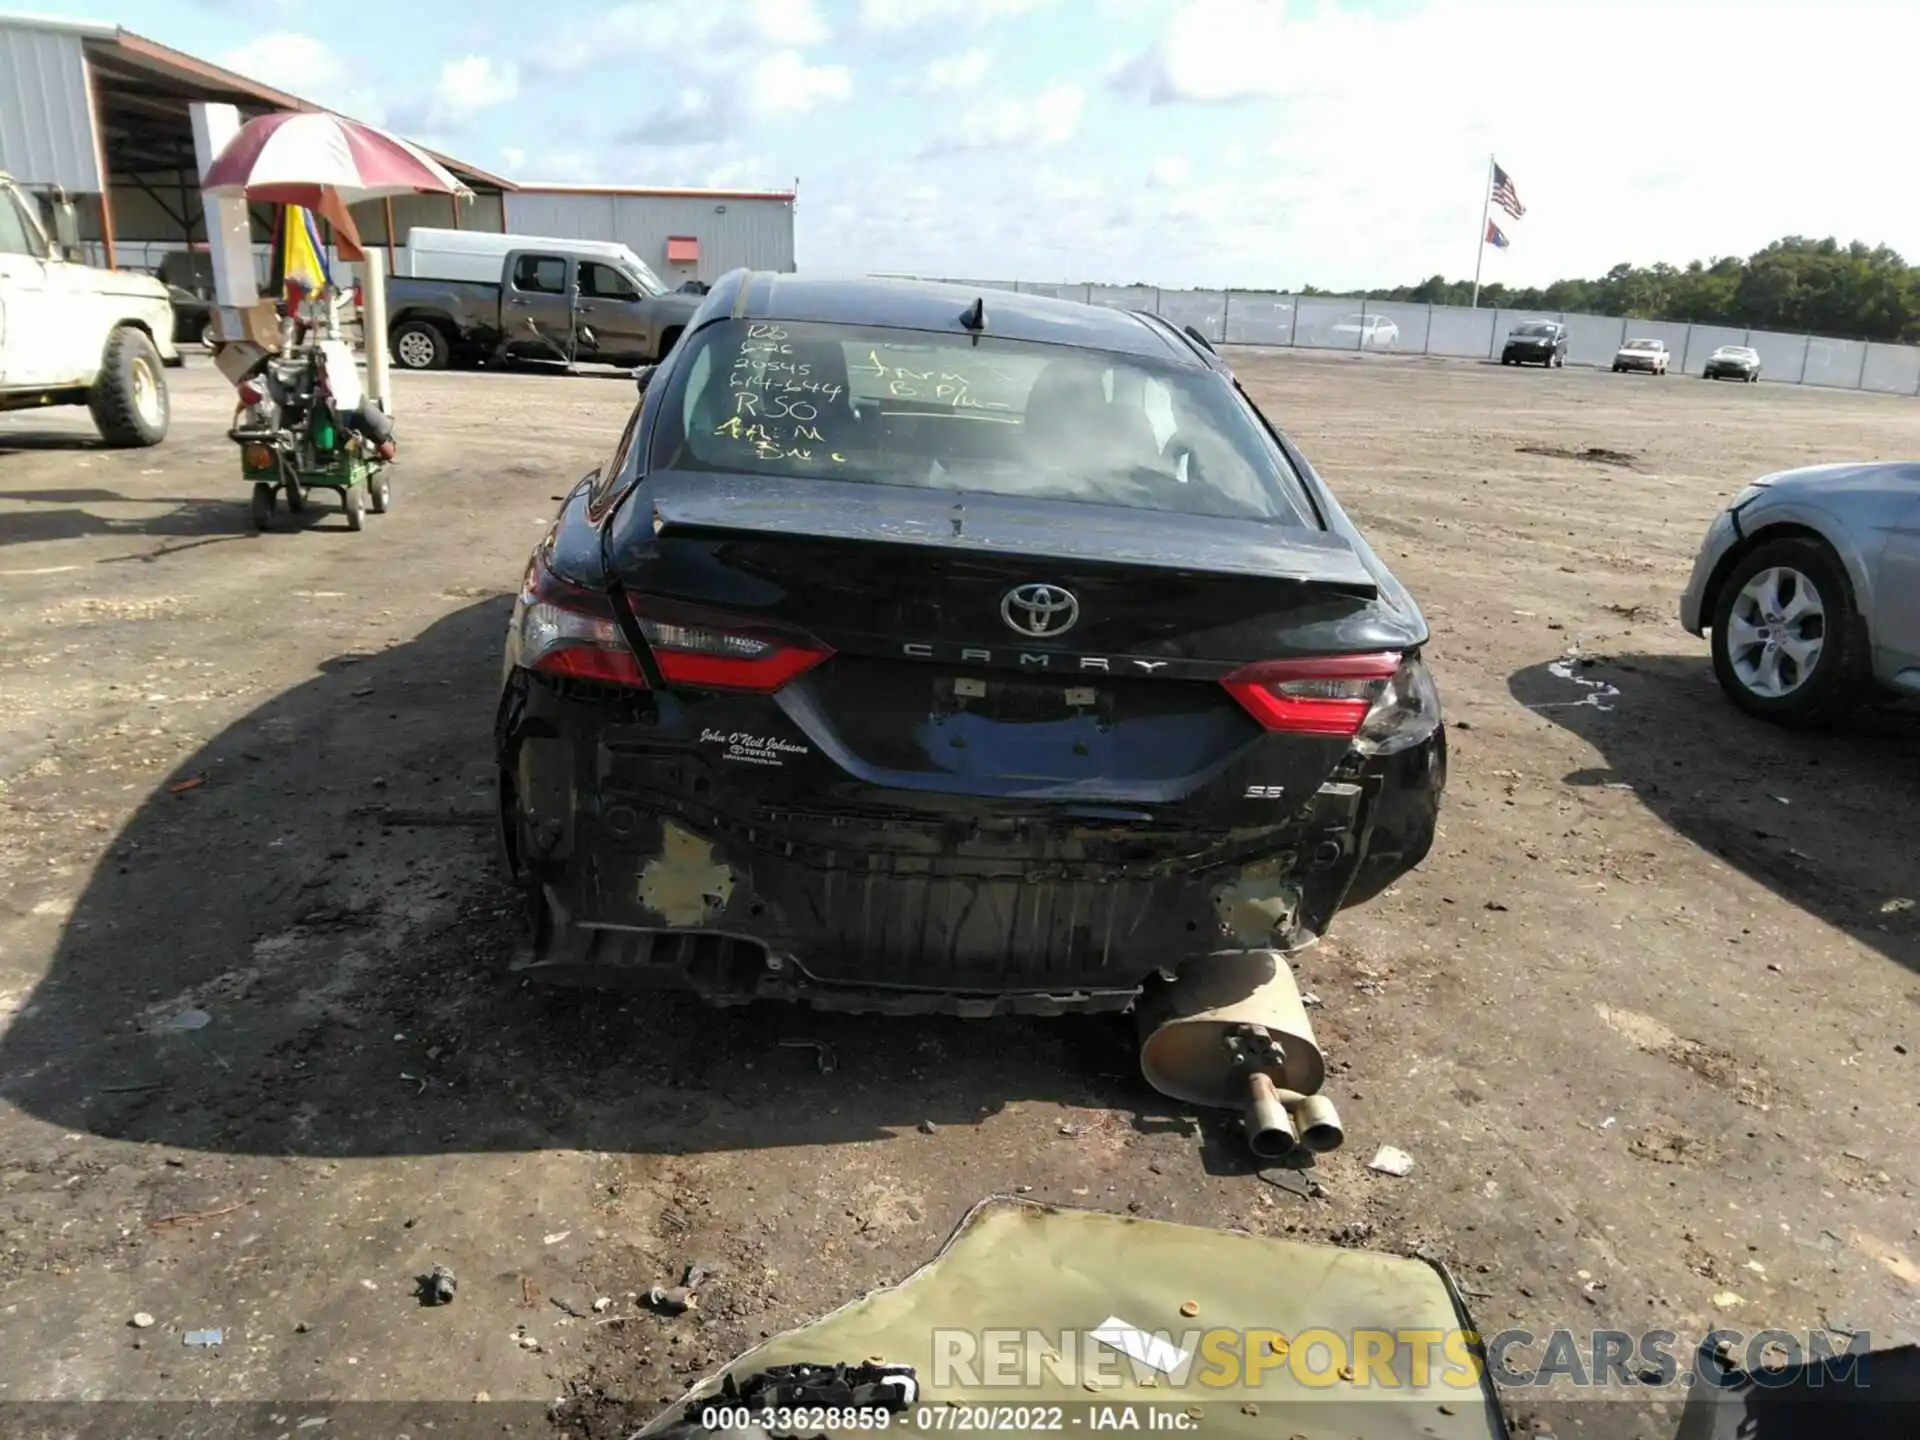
{"x":1648,"y":1021}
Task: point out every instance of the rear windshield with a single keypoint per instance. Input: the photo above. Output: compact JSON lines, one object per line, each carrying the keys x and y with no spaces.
{"x":1643,"y":344}
{"x":895,"y":407}
{"x":1534,"y":330}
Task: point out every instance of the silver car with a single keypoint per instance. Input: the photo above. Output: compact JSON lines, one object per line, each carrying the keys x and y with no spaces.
{"x":1810,"y":584}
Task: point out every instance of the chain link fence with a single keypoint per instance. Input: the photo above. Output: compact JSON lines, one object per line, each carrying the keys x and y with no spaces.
{"x":1265,"y":318}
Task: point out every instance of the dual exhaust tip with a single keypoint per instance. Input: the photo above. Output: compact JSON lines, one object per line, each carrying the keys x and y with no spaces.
{"x":1277,"y":1126}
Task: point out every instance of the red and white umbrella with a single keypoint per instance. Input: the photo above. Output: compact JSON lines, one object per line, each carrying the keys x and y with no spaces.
{"x":293,"y":158}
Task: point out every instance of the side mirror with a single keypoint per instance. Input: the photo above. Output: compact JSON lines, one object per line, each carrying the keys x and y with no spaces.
{"x":66,"y":228}
{"x":643,"y":377}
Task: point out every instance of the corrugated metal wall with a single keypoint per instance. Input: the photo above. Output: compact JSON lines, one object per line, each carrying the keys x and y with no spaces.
{"x":731,"y":232}
{"x":46,"y":129}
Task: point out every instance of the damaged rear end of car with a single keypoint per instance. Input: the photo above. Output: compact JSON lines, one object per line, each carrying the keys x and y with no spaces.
{"x":883,"y":700}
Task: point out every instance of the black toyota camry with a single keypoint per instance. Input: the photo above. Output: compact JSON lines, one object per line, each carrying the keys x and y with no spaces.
{"x":918,"y":649}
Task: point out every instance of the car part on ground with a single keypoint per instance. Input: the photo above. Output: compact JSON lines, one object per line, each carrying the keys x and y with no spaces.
{"x":1231,"y":1031}
{"x":77,"y":335}
{"x":1121,"y":1303}
{"x":1807,"y":582}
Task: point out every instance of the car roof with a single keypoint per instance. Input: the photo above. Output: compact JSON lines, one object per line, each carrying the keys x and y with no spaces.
{"x":938,"y":306}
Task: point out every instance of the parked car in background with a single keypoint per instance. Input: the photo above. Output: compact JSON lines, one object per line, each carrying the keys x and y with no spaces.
{"x":1733,"y":362}
{"x":1647,"y":355}
{"x":71,"y":334}
{"x":1536,"y":342}
{"x":469,"y":296}
{"x":192,"y":318}
{"x":1362,"y":332}
{"x":1810,"y":584}
{"x":919,"y":650}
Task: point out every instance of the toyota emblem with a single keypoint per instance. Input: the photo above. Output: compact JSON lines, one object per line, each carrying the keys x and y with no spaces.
{"x":1041,"y":611}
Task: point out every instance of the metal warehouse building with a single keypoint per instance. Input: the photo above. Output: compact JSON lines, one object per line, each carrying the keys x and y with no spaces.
{"x":682,"y":234}
{"x":102,"y":114}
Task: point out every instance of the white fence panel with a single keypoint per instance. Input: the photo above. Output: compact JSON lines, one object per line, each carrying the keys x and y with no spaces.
{"x":1455,"y":330}
{"x":1834,"y":362}
{"x":1204,"y":310}
{"x":1122,"y":297}
{"x":1894,"y":369}
{"x":1593,"y":339}
{"x":1782,"y":357}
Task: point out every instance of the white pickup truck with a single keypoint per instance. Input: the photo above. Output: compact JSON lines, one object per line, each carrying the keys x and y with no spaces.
{"x":71,"y":334}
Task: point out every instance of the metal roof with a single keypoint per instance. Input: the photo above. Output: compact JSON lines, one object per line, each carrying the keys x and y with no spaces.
{"x":663,"y":192}
{"x":935,"y":306}
{"x":142,"y":85}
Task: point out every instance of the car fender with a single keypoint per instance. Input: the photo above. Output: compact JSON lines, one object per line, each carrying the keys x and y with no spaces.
{"x":1775,"y":509}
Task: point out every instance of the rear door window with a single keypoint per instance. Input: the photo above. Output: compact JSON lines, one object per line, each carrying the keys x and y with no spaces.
{"x":541,"y":274}
{"x":999,"y":417}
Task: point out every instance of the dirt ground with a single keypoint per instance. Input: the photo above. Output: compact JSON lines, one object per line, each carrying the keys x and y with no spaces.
{"x":1647,"y":1021}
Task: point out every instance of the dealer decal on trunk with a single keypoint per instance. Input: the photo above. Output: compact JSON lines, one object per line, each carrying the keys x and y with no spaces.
{"x":753,"y":749}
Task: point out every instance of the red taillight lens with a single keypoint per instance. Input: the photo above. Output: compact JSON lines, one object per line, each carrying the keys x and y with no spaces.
{"x":568,"y":631}
{"x":565,"y":630}
{"x":716,"y":652}
{"x":1316,"y":695}
{"x":251,"y":393}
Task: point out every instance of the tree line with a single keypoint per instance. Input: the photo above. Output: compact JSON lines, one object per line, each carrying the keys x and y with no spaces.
{"x":1799,"y":285}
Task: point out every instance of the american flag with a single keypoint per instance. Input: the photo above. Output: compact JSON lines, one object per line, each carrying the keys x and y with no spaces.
{"x":1504,"y":195}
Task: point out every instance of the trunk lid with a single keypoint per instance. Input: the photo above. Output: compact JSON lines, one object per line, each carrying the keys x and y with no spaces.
{"x":934,"y":685}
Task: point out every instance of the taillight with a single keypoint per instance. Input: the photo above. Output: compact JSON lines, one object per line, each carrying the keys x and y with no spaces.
{"x":567,"y":631}
{"x":251,"y":393}
{"x":1313,"y":695}
{"x":717,"y":652}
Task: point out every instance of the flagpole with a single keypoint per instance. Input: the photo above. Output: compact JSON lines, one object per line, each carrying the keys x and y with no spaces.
{"x":1486,"y":211}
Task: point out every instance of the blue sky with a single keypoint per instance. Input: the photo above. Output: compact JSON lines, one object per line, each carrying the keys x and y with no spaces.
{"x":1178,"y":142}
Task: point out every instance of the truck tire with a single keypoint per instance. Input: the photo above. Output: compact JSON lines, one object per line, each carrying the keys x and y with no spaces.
{"x":129,"y":397}
{"x":668,"y":339}
{"x":419,"y":345}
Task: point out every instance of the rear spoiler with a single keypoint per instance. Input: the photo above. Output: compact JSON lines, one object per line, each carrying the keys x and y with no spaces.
{"x":848,"y":513}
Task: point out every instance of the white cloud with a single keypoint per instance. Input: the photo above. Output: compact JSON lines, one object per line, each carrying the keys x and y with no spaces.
{"x":788,"y":22}
{"x":884,"y":17}
{"x":303,"y":66}
{"x":1049,"y":119}
{"x":1169,"y":171}
{"x":785,"y":84}
{"x":964,"y":71}
{"x":471,"y":84}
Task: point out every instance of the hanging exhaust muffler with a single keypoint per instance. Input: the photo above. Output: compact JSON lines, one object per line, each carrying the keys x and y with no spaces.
{"x":1231,"y":1031}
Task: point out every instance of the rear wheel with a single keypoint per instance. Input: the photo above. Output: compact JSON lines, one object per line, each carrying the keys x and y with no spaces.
{"x":262,"y":505}
{"x":419,"y":345}
{"x":1781,"y":627}
{"x":356,"y":507}
{"x":381,"y":495}
{"x":296,"y":496}
{"x":129,"y":398}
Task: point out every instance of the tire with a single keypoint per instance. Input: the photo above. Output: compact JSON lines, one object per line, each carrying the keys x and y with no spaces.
{"x":668,"y":338}
{"x":296,"y":496}
{"x":262,"y":505}
{"x":129,"y":399}
{"x":356,"y":507}
{"x":380,"y":493}
{"x":1782,"y":690}
{"x":419,"y":345}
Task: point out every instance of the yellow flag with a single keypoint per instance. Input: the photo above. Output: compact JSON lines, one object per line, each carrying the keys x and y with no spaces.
{"x":305,"y":260}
